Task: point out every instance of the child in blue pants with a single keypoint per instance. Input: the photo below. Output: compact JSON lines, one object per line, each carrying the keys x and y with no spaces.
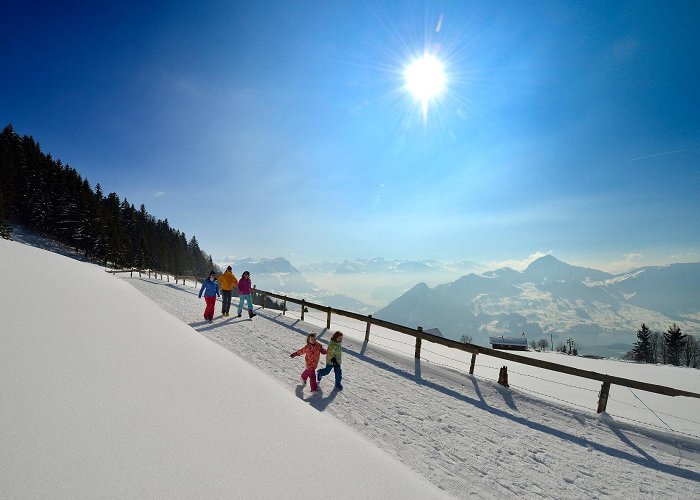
{"x":333,"y":360}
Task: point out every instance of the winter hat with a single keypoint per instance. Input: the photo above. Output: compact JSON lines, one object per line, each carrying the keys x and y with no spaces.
{"x":228,"y":268}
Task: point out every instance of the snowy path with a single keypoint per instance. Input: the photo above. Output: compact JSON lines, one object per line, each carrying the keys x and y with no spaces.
{"x":465,"y":434}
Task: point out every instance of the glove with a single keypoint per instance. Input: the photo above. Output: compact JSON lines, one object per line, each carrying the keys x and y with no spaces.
{"x":200,"y":296}
{"x":333,"y":361}
{"x":292,"y":355}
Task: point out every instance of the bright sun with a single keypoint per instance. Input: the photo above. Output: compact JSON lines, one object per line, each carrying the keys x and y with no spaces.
{"x":425,"y":80}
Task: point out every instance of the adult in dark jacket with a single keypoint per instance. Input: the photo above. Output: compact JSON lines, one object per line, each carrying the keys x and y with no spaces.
{"x":210,"y":289}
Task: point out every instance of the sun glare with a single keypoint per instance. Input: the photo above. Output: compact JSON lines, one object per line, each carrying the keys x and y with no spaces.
{"x":425,"y":80}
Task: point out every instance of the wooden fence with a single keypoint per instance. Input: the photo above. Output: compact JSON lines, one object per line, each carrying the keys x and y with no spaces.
{"x":474,"y":350}
{"x":155,"y":273}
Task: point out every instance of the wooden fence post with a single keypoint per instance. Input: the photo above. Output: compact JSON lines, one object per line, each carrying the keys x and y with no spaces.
{"x":132,"y":273}
{"x":149,"y":274}
{"x":471,"y":367}
{"x":369,"y":323}
{"x":503,"y":376}
{"x":284,"y":306}
{"x":303,"y":305}
{"x":328,"y":319}
{"x":603,"y":398}
{"x":419,"y":340}
{"x":262,"y":299}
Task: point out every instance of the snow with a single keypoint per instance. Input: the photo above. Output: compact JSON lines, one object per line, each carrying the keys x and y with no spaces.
{"x":104,"y":394}
{"x":132,"y":401}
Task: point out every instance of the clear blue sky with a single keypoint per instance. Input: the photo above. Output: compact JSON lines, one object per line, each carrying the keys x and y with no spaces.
{"x":283,"y":128}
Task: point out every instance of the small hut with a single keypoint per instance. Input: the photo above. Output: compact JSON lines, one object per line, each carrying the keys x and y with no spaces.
{"x":509,"y":343}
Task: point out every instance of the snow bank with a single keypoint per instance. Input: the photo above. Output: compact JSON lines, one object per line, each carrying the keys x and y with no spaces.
{"x":104,"y":394}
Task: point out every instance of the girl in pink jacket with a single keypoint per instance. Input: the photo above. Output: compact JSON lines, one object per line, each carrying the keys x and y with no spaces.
{"x":312,"y":351}
{"x":244,"y":290}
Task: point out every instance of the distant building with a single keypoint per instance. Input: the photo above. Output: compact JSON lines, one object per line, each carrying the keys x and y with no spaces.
{"x":510,"y":343}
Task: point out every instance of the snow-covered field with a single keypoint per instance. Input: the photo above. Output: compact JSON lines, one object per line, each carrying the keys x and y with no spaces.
{"x":104,"y":394}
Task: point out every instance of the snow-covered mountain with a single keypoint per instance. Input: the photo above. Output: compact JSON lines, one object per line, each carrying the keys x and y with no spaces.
{"x":381,"y":265}
{"x":275,"y":275}
{"x":280,"y":276}
{"x":378,"y":281}
{"x":551,"y":297}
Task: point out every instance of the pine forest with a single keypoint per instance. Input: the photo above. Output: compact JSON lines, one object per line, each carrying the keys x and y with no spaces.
{"x":44,"y":195}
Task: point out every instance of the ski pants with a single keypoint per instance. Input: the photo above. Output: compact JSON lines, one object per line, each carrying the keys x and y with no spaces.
{"x":338,"y":372}
{"x":248,"y":299}
{"x":225,"y":301}
{"x":209,"y":310}
{"x":310,"y":373}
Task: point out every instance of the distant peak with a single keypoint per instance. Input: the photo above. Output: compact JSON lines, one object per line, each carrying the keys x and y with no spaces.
{"x":545,"y":261}
{"x":553,"y":268}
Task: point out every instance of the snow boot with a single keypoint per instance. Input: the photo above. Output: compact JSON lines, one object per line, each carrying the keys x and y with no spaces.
{"x":339,"y":386}
{"x":251,"y":314}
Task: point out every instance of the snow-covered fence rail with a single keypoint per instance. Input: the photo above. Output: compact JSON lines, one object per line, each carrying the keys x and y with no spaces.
{"x":474,"y":350}
{"x":141,"y":272}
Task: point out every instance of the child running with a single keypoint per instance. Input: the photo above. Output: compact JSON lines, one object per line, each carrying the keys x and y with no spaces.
{"x":333,"y":360}
{"x":312,"y":351}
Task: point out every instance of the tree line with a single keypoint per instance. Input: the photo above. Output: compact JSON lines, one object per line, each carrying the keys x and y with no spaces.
{"x":673,"y":347}
{"x":53,"y":199}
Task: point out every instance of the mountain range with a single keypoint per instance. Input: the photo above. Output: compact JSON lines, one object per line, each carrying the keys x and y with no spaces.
{"x":549,"y":299}
{"x":280,"y":276}
{"x":381,"y":265}
{"x":555,"y":300}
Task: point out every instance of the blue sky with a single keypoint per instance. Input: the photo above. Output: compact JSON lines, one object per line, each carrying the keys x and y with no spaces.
{"x":283,"y":128}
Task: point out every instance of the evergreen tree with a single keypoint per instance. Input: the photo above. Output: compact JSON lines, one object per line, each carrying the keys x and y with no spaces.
{"x":641,"y":350}
{"x":691,"y":352}
{"x":5,"y":230}
{"x":656,"y":342}
{"x":674,"y":341}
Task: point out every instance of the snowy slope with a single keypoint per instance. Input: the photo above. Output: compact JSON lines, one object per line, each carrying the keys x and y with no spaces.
{"x":103,"y":394}
{"x":467,"y":434}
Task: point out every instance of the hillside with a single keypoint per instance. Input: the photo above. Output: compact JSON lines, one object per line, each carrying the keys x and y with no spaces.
{"x":552,"y":298}
{"x":105,"y":395}
{"x":121,"y":372}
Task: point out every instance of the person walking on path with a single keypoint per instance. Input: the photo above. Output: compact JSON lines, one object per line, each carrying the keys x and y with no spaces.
{"x":244,"y":288}
{"x":333,"y":360}
{"x":210,"y":289}
{"x":312,"y":352}
{"x":226,"y":281}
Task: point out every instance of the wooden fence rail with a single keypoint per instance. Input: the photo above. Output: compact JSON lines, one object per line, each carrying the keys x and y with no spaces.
{"x":474,"y":349}
{"x":140,"y":272}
